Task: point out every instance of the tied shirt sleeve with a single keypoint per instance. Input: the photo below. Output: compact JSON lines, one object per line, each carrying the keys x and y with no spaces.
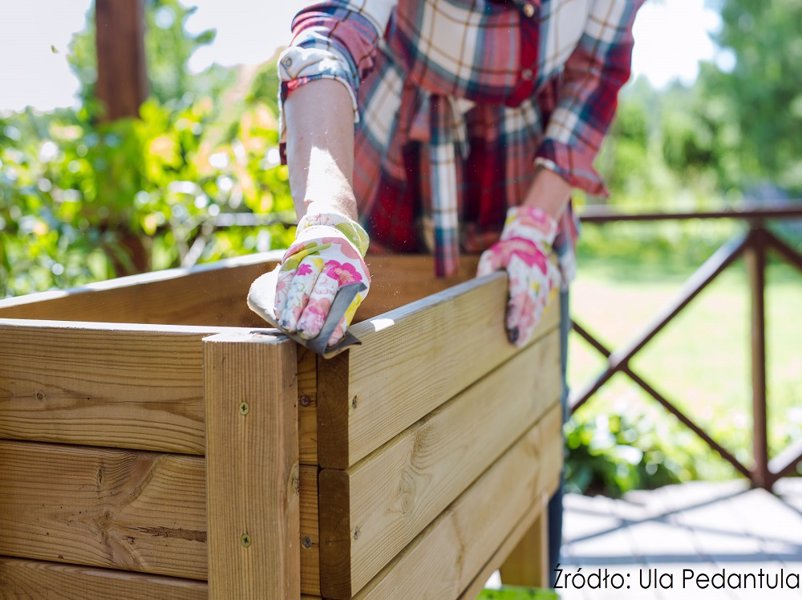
{"x":587,"y":94}
{"x":332,"y":40}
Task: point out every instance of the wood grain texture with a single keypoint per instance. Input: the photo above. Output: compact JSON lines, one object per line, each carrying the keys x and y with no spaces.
{"x":134,"y":511}
{"x":334,"y":494}
{"x":214,"y":294}
{"x":310,"y":538}
{"x":252,"y":464}
{"x":447,"y":557}
{"x":528,"y":563}
{"x":123,"y":386}
{"x":398,"y":490}
{"x":35,"y":580}
{"x":411,"y":361}
{"x":307,"y":406}
{"x":495,"y":561}
{"x":399,"y":279}
{"x":206,"y":295}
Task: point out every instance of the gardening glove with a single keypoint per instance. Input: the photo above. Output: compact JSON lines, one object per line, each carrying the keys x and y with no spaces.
{"x":533,"y":279}
{"x":328,"y":253}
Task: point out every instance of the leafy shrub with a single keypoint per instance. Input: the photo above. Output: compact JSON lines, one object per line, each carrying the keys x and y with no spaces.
{"x":81,"y":201}
{"x":613,"y":454}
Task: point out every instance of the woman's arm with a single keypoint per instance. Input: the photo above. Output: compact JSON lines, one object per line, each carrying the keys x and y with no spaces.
{"x":549,"y":192}
{"x":319,"y":119}
{"x":331,"y":52}
{"x":587,"y":96}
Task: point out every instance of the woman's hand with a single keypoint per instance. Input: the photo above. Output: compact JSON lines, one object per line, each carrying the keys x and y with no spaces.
{"x":523,"y":251}
{"x":327,"y":254}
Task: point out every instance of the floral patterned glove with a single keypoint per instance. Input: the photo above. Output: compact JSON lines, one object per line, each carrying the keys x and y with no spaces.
{"x":523,"y":251}
{"x":328,"y":253}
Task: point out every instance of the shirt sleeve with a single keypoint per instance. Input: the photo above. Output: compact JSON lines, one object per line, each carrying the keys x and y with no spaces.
{"x":587,"y":94}
{"x":332,"y":40}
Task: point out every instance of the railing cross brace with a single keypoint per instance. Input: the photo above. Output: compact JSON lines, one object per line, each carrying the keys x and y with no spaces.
{"x":754,"y":245}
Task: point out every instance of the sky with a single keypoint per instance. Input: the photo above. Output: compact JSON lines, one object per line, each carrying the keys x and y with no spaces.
{"x":671,"y":36}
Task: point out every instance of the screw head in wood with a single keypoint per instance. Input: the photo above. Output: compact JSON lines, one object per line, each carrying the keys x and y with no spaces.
{"x":245,"y":540}
{"x":307,"y":542}
{"x":354,"y":402}
{"x":244,"y":409}
{"x":305,"y":400}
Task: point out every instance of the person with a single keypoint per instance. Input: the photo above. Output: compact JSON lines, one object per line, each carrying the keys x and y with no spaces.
{"x":445,"y":126}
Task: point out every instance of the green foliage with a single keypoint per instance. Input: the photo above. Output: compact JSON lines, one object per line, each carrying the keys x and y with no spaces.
{"x":767,"y":97}
{"x":700,"y":138}
{"x":730,"y":130}
{"x":612,"y":454}
{"x":265,"y":85}
{"x":76,"y":196}
{"x":168,"y":48}
{"x":82,"y":200}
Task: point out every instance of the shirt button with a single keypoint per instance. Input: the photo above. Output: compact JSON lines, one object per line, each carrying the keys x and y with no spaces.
{"x":529,"y":10}
{"x":527,"y":75}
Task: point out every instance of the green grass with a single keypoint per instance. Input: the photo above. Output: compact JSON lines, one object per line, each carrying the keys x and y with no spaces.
{"x":701,"y":360}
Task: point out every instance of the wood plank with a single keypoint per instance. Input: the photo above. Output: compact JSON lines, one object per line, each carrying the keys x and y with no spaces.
{"x":124,"y":386}
{"x":251,"y":393}
{"x":528,"y":563}
{"x":310,"y":537}
{"x":399,"y":279}
{"x":307,"y":406}
{"x":307,"y":446}
{"x":391,"y":496}
{"x":214,"y":294}
{"x":207,"y":295}
{"x":426,"y":353}
{"x":447,"y":557}
{"x":492,"y":565}
{"x":135,"y":511}
{"x":37,"y":579}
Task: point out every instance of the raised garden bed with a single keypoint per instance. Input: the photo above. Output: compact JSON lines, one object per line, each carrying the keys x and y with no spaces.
{"x":156,"y":441}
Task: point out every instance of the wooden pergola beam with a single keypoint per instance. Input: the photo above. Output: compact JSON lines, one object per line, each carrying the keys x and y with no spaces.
{"x":122,"y":83}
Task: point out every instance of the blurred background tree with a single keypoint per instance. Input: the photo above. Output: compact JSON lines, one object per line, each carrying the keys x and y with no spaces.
{"x":765,"y":97}
{"x":168,"y":48}
{"x":82,"y":200}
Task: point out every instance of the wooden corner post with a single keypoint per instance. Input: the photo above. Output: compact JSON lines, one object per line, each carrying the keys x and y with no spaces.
{"x":252,"y":467}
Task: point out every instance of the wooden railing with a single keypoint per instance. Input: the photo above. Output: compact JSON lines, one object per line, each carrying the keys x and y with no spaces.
{"x":753,"y":244}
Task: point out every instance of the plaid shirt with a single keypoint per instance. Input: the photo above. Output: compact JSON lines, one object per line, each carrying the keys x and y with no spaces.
{"x":456,"y":103}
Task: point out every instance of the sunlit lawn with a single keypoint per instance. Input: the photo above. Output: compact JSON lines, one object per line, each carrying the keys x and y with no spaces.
{"x":701,"y":360}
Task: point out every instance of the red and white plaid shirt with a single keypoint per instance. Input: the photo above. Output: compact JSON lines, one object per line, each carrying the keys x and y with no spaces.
{"x":458,"y":101}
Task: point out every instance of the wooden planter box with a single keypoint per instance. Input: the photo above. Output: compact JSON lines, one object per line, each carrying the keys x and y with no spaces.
{"x":156,"y":441}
